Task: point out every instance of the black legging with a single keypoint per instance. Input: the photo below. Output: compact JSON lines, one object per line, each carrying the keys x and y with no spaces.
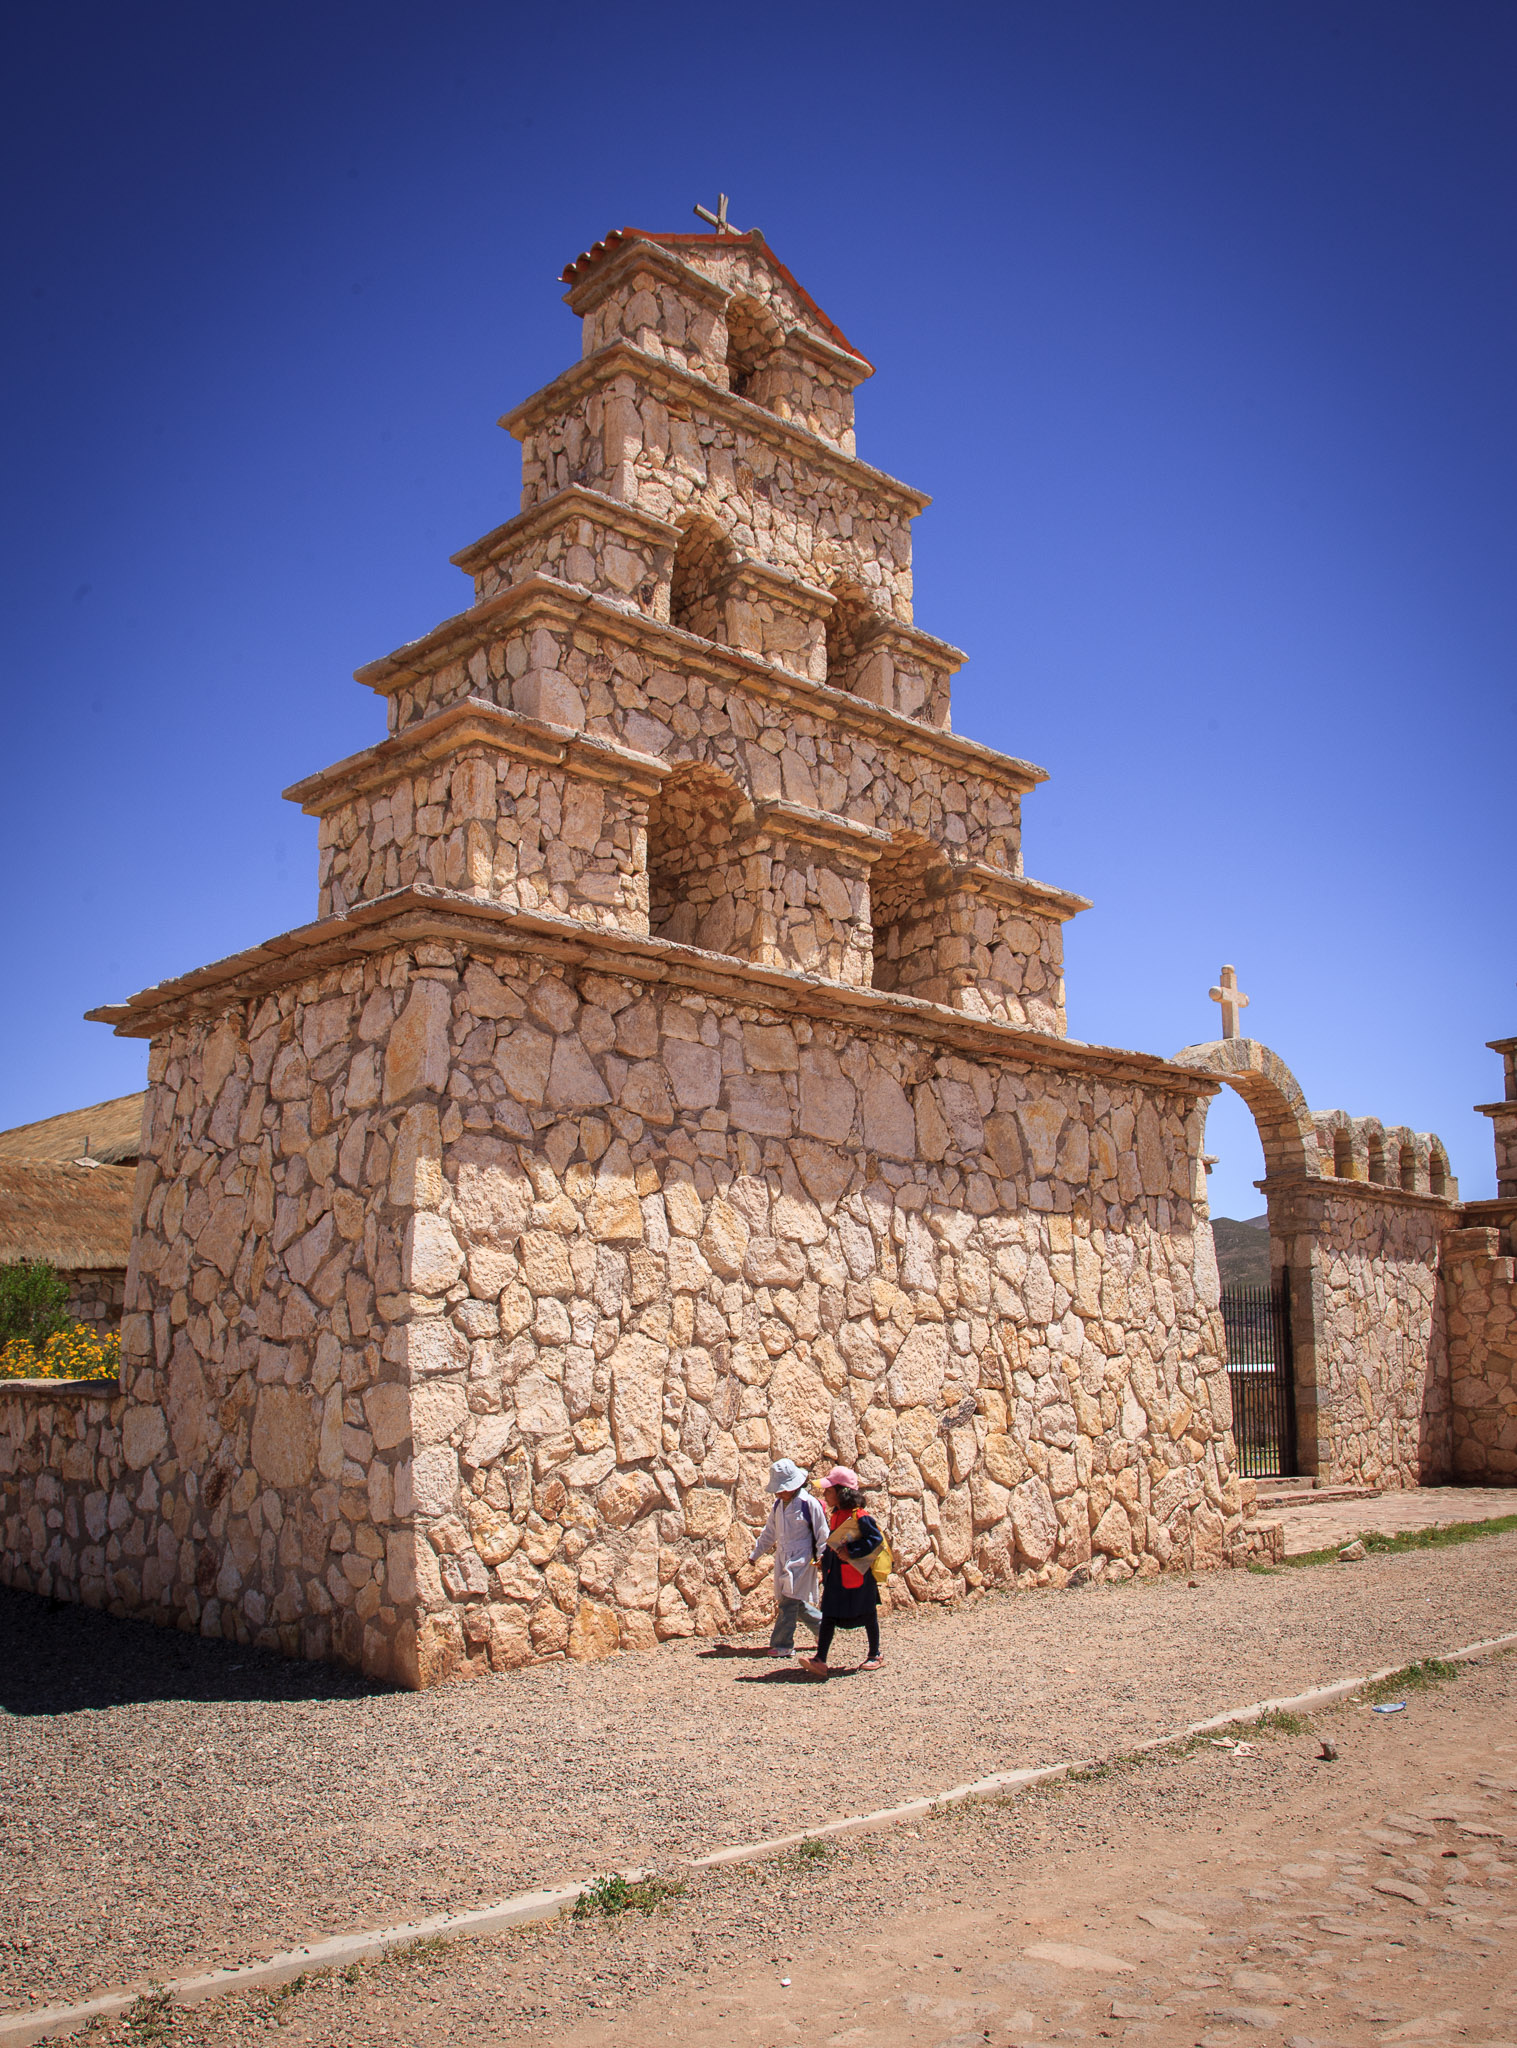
{"x":828,"y":1628}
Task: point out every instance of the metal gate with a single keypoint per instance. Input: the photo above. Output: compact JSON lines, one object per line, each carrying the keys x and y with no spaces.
{"x":1262,"y":1377}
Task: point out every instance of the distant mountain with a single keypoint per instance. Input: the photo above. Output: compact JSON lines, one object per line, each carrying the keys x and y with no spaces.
{"x":1242,"y":1250}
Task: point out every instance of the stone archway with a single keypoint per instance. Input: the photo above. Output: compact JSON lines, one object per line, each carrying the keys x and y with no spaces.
{"x":1272,"y":1092}
{"x":1292,"y":1164}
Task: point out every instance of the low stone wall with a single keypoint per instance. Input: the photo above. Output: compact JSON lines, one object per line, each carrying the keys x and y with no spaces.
{"x":1480,"y":1312}
{"x":68,"y":1523}
{"x":96,"y":1296}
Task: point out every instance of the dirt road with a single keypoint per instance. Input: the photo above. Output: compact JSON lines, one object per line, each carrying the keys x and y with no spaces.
{"x":1208,"y":1896}
{"x":172,"y":1804}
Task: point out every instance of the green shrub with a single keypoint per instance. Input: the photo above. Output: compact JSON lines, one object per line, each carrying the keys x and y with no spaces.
{"x":1410,"y":1678}
{"x":617,"y":1894}
{"x":33,"y":1302}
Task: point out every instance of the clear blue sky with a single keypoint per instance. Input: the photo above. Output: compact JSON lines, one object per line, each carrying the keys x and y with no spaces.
{"x":1196,"y":319}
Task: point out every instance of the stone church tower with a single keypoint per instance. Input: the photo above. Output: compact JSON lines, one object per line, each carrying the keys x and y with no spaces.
{"x":674,"y":1077}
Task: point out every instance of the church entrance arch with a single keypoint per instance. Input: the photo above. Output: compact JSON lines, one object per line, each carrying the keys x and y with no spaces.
{"x":1272,"y":1332}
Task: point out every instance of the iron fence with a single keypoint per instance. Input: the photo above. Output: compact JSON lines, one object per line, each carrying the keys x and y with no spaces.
{"x":1261,"y":1374}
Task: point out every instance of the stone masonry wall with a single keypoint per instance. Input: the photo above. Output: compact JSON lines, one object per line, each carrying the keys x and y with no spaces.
{"x":1383,"y":1394}
{"x":556,"y":657}
{"x":698,"y":1235}
{"x":621,"y":425}
{"x":95,"y":1295}
{"x":500,"y":828}
{"x":762,"y":343}
{"x":1479,"y":1280}
{"x":949,"y":943}
{"x":472,"y":1298}
{"x":63,"y":1504}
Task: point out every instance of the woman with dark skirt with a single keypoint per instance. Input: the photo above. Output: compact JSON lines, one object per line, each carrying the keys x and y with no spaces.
{"x":850,"y":1594}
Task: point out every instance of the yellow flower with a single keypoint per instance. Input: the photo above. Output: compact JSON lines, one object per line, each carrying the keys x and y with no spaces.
{"x":79,"y":1353}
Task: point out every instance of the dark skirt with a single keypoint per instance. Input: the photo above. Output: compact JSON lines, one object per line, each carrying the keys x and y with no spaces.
{"x":847,"y":1606}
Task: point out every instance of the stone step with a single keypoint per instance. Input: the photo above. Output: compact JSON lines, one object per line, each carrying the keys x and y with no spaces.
{"x":1305,"y":1493}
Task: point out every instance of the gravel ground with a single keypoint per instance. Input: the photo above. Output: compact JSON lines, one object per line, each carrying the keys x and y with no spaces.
{"x":172,"y":1803}
{"x":1203,"y":1899}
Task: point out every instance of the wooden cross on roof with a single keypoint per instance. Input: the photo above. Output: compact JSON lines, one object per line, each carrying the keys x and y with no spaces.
{"x":1232,"y":999}
{"x":719,"y":219}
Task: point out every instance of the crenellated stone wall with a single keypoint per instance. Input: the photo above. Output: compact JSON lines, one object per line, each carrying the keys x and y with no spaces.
{"x":1357,"y":1213}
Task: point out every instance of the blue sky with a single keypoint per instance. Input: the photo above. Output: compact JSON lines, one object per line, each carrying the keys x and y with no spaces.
{"x":1197,"y":321}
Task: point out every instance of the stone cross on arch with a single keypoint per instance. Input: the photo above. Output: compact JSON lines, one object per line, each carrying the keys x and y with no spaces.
{"x":1232,"y":999}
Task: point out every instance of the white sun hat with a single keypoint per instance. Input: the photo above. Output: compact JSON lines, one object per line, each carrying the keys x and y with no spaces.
{"x":784,"y":1476}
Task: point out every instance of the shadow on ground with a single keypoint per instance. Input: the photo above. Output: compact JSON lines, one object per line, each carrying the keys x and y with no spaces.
{"x":56,"y":1658}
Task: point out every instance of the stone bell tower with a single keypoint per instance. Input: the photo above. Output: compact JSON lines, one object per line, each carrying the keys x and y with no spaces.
{"x":674,"y":1076}
{"x":707,"y":598}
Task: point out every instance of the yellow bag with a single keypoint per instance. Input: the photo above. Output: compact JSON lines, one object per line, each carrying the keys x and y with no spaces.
{"x":879,"y":1562}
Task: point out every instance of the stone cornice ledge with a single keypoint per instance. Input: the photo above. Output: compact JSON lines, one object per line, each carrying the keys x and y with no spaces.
{"x":418,"y":916}
{"x":1016,"y":892}
{"x":574,"y":501}
{"x":668,"y":382}
{"x":479,"y":722}
{"x":1357,"y":1190}
{"x":803,"y":826}
{"x":572,"y":605}
{"x":67,"y":1390}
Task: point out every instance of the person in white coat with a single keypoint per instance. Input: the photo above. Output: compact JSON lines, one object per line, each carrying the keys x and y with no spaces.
{"x":796,"y":1532}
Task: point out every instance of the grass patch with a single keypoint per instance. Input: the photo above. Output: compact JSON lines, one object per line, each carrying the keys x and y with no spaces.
{"x":150,"y":2019}
{"x":1411,"y":1678}
{"x":1412,"y":1539}
{"x":1281,"y":1721}
{"x":430,"y":1949}
{"x":810,"y":1852}
{"x":611,"y":1895}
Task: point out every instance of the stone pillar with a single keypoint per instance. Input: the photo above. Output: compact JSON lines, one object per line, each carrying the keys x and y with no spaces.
{"x":809,"y":880}
{"x":495,"y":807}
{"x":988,"y":943}
{"x":1503,"y":1116}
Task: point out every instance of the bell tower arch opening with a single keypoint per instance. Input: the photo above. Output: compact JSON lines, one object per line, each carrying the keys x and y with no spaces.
{"x":753,"y":336}
{"x":703,"y":559}
{"x":699,"y":825}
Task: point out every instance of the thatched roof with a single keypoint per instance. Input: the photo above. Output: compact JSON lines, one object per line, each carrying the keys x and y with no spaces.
{"x":108,"y":1131}
{"x":71,"y":1216}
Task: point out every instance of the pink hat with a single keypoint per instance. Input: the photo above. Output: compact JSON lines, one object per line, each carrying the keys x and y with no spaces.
{"x":843,"y":1475}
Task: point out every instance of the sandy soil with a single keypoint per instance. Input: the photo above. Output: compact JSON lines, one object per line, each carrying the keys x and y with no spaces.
{"x":1213,"y":1897}
{"x":172,"y":1803}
